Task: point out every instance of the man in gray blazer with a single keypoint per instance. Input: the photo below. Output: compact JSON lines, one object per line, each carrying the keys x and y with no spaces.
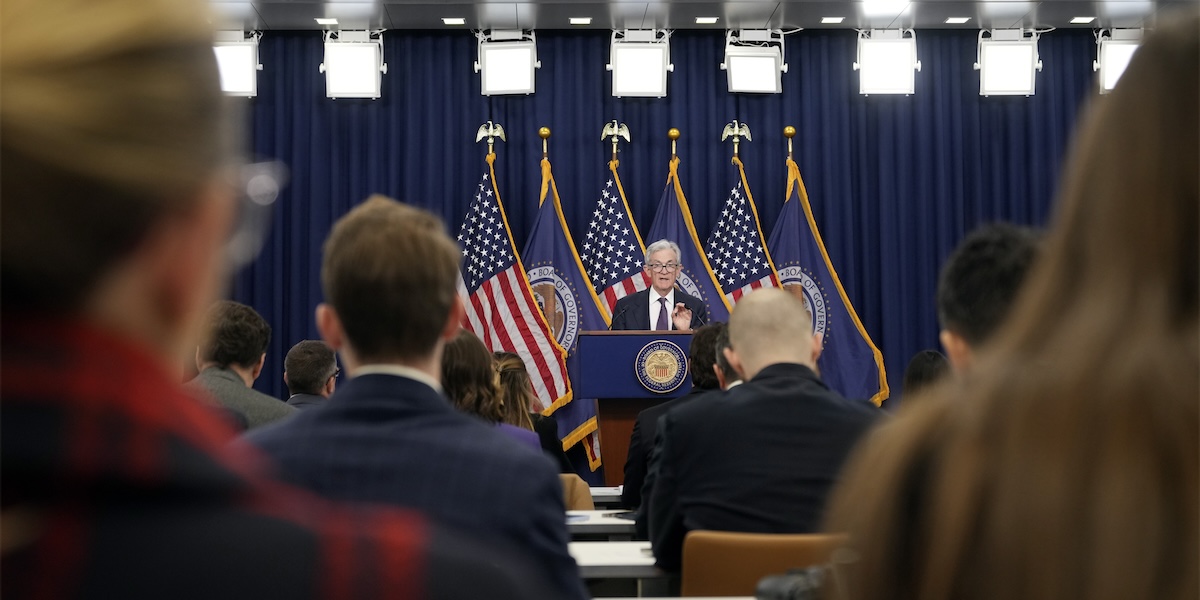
{"x":231,"y":358}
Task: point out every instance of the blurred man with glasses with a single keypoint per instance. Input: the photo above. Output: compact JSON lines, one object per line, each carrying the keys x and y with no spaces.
{"x":660,"y":307}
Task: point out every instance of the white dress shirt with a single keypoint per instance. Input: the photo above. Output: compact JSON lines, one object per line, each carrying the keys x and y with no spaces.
{"x":656,"y":306}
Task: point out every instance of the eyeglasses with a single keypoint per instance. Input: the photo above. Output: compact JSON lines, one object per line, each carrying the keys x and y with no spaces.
{"x":258,"y":186}
{"x":336,"y":372}
{"x":662,"y":267}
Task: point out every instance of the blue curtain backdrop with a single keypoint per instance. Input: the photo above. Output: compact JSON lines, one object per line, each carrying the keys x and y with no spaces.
{"x":895,"y":182}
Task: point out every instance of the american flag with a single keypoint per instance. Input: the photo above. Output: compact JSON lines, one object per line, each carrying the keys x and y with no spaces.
{"x":613,"y":251}
{"x":500,"y":306}
{"x":736,"y":249}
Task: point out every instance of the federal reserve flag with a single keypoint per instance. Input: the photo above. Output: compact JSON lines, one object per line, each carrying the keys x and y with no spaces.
{"x":849,"y":363}
{"x":737,"y":249}
{"x":569,"y":303}
{"x":500,"y":307}
{"x":673,"y":222}
{"x":613,"y":251}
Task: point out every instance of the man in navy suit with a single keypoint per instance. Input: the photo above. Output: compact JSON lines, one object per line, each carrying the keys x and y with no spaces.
{"x":660,"y":307}
{"x":310,"y":371}
{"x":762,"y":456}
{"x":388,"y":435}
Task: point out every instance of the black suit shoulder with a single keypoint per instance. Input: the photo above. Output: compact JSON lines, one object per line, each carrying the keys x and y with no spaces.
{"x":627,"y":312}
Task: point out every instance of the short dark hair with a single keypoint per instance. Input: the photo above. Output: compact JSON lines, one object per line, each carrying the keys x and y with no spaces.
{"x":390,"y":273}
{"x":702,"y":354}
{"x":925,"y":368}
{"x":723,"y":363}
{"x":308,"y":365}
{"x":982,"y":277}
{"x":235,"y":334}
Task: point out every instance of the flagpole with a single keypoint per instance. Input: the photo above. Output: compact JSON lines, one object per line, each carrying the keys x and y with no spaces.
{"x":673,"y":133}
{"x":544,"y":133}
{"x":789,"y":132}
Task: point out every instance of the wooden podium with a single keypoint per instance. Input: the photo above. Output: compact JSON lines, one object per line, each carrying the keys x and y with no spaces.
{"x":607,"y":363}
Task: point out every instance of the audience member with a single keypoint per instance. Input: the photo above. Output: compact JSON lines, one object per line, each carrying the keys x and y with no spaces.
{"x":671,"y":308}
{"x":978,"y":284}
{"x":310,"y":371}
{"x":231,"y":358}
{"x":1065,"y":464}
{"x":926,"y":368}
{"x":388,"y":435}
{"x":727,"y":377}
{"x":701,"y":359}
{"x":517,"y":398}
{"x":117,"y":207}
{"x":472,"y":384}
{"x":762,"y":456}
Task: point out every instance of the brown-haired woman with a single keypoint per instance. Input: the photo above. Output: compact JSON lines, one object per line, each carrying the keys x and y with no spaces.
{"x":469,"y":380}
{"x":517,"y":401}
{"x":1066,"y":464}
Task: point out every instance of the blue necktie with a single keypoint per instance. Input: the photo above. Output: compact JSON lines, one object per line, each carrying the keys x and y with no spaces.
{"x":662,"y":316}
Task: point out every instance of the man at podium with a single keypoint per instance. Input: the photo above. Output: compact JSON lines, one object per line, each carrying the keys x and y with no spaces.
{"x":660,"y":307}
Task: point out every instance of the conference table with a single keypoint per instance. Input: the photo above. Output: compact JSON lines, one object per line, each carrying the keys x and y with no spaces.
{"x":594,"y":523}
{"x":614,"y":560}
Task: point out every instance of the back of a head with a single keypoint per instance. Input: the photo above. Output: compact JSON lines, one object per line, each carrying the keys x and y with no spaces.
{"x":770,"y":326}
{"x":924,"y":369}
{"x":727,"y":370}
{"x":703,"y":353}
{"x":981,"y":279}
{"x":390,"y":273}
{"x":469,"y":377}
{"x":308,"y":365}
{"x":109,"y":120}
{"x":1064,"y":464}
{"x":235,"y":334}
{"x":516,"y":389}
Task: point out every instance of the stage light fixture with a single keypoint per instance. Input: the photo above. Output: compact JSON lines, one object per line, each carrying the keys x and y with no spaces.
{"x":1007,"y":62}
{"x":1114,"y":49}
{"x":754,"y":61}
{"x":639,"y":60}
{"x":507,"y":60}
{"x":353,"y":64}
{"x":237,"y":60}
{"x":887,"y":61}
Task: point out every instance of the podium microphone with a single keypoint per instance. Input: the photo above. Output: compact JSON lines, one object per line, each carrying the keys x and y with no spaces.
{"x":619,"y":315}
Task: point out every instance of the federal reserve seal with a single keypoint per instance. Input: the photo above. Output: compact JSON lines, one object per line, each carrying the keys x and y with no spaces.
{"x":798,"y":283}
{"x":558,"y":304}
{"x":661,"y":366}
{"x":688,"y":285}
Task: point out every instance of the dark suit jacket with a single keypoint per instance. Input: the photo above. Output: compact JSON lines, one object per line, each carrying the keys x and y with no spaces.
{"x":760,"y":458}
{"x":394,"y":440}
{"x":547,"y":430}
{"x":645,"y":428}
{"x":633,"y":311}
{"x":303,"y":401}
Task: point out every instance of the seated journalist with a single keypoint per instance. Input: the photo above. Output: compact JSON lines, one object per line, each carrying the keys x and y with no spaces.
{"x":389,"y":434}
{"x":762,"y":456}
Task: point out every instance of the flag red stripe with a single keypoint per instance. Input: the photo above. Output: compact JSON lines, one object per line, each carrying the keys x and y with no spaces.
{"x":528,"y":337}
